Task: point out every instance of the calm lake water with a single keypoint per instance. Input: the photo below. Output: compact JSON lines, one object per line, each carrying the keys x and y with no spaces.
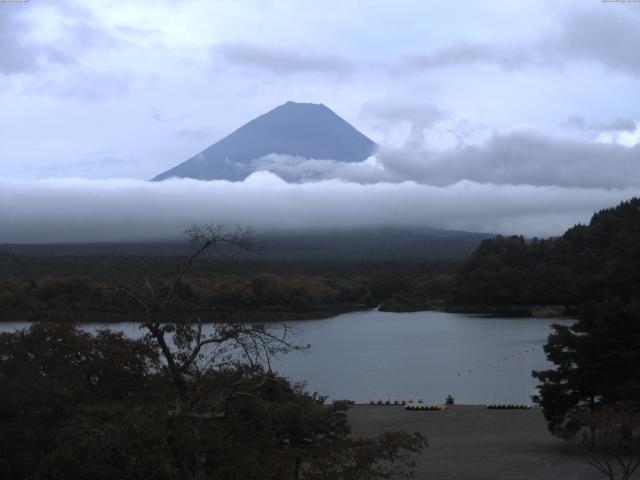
{"x":422,"y":355}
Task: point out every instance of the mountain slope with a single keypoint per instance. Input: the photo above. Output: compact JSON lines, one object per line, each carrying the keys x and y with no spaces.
{"x":297,"y":129}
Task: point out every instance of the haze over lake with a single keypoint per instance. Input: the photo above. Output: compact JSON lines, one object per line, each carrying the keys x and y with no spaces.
{"x":420,"y":355}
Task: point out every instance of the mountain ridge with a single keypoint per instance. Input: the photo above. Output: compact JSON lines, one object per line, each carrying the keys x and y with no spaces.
{"x":409,"y":243}
{"x":305,"y":130}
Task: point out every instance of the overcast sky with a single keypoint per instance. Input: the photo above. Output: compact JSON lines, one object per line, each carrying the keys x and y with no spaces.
{"x":536,"y":99}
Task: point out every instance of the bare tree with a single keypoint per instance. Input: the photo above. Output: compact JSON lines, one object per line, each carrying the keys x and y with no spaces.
{"x":222,"y":370}
{"x":192,"y":352}
{"x":613,"y":442}
{"x":187,"y":349}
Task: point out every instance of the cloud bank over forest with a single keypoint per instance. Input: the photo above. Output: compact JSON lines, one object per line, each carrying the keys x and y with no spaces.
{"x":80,"y":210}
{"x":508,"y":118}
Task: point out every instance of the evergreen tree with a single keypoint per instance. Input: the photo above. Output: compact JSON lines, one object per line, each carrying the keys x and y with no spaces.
{"x":596,"y":365}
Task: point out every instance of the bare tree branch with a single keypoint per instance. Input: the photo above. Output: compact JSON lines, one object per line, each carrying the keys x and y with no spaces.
{"x":181,"y":340}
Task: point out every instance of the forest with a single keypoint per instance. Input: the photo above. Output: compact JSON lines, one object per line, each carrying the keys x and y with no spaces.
{"x":84,"y":287}
{"x":588,"y":263}
{"x":513,"y":274}
{"x":505,"y":274}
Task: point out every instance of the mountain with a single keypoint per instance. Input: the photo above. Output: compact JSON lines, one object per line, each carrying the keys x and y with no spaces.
{"x":297,"y":129}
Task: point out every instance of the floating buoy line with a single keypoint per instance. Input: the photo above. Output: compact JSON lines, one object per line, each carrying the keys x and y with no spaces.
{"x":496,"y":362}
{"x":411,"y":404}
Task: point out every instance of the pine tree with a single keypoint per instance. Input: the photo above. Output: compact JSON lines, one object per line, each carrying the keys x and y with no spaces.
{"x":596,"y":365}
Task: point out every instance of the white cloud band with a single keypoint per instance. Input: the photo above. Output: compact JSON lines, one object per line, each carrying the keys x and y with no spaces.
{"x":78,"y":210}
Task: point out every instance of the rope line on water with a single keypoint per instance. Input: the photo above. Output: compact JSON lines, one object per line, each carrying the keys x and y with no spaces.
{"x":496,"y":362}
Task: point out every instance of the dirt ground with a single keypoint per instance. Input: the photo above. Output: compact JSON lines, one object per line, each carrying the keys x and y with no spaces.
{"x":469,"y":442}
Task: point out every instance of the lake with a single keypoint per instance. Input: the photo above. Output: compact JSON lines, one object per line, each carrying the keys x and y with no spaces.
{"x":419,"y":355}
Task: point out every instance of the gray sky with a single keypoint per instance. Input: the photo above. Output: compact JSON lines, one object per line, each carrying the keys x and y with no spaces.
{"x":476,"y":99}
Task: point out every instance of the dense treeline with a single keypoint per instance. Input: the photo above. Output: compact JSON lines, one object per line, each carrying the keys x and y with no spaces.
{"x":80,"y":288}
{"x":223,"y":297}
{"x":591,"y":262}
{"x":384,"y":276}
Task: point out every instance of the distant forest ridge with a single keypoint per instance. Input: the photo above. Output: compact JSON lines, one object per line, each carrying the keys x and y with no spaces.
{"x":353,"y":244}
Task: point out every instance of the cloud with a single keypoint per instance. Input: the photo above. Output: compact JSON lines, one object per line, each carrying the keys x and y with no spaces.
{"x":54,"y":48}
{"x":625,"y":137}
{"x":87,"y":84}
{"x":90,"y":163}
{"x":279,"y":60}
{"x":420,"y":116}
{"x":426,"y":113}
{"x":622,"y":131}
{"x":300,"y":170}
{"x":523,"y":157}
{"x":199,"y":134}
{"x":518,"y":158}
{"x":20,"y":53}
{"x":618,"y":125}
{"x":76,"y":210}
{"x":509,"y":58}
{"x":72,"y":32}
{"x":607,"y":37}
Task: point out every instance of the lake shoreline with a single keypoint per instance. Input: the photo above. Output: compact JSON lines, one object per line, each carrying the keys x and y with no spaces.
{"x":539,"y":311}
{"x":207,"y":317}
{"x":510,"y":311}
